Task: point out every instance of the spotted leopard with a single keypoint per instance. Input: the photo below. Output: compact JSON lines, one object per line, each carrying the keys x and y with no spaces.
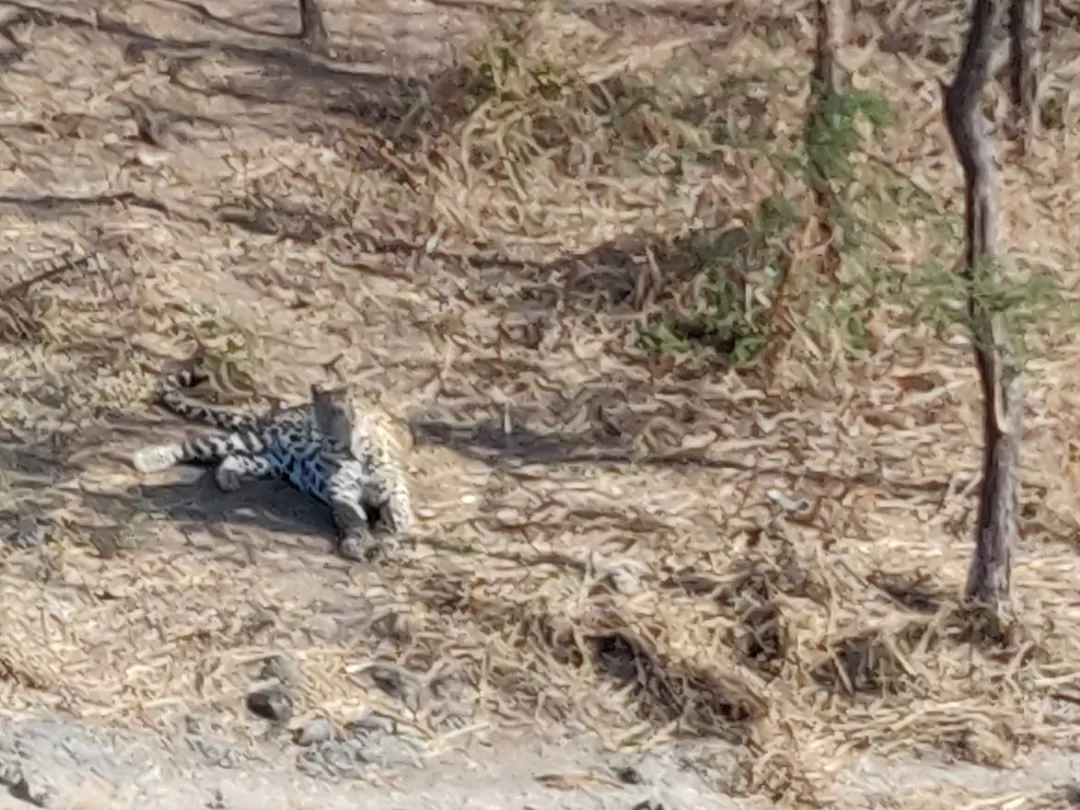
{"x":337,"y":448}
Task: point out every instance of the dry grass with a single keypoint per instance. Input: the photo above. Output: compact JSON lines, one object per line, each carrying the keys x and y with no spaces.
{"x":604,"y":541}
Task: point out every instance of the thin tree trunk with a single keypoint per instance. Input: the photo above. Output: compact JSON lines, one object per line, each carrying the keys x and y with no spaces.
{"x":828,"y":80}
{"x":832,"y":15}
{"x":990,"y":575}
{"x":312,"y":27}
{"x":1025,"y":19}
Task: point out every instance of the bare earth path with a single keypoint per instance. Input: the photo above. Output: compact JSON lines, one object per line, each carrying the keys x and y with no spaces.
{"x":63,"y":764}
{"x":738,"y":584}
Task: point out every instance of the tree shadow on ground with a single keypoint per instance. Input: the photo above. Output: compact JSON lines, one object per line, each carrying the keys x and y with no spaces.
{"x":29,"y":475}
{"x":633,"y":279}
{"x":696,"y":281}
{"x":46,"y":207}
{"x":205,"y":15}
{"x":277,"y":70}
{"x":915,"y":592}
{"x":491,"y":442}
{"x":43,"y":486}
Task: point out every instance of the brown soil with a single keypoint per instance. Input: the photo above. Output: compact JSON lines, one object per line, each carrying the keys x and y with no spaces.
{"x":646,"y":548}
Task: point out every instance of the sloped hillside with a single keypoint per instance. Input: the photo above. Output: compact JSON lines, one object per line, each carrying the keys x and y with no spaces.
{"x":672,"y":483}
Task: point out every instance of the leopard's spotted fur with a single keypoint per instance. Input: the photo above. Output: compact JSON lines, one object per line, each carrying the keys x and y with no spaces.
{"x":335,"y":448}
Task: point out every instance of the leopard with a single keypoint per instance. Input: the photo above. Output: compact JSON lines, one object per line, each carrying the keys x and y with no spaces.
{"x":339,"y":448}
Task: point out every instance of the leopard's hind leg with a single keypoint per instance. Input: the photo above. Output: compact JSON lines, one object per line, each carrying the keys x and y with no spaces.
{"x":393,"y":511}
{"x":234,"y":469}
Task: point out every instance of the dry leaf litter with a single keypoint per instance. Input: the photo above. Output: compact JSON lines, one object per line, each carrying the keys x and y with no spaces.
{"x":647,"y":548}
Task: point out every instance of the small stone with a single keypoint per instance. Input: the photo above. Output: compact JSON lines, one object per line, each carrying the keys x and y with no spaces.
{"x":108,"y":540}
{"x":259,"y":621}
{"x":446,"y":687}
{"x":279,"y":668}
{"x":28,"y":533}
{"x":20,"y":789}
{"x":397,"y":682}
{"x":315,"y":731}
{"x":274,"y":703}
{"x":375,"y":721}
{"x":196,"y":724}
{"x":322,"y":627}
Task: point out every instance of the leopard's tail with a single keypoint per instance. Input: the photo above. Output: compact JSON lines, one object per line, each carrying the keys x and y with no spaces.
{"x":170,"y":396}
{"x":198,"y":449}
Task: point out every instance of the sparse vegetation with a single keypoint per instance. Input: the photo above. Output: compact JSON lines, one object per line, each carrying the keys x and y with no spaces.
{"x":674,"y":482}
{"x":737,"y":274}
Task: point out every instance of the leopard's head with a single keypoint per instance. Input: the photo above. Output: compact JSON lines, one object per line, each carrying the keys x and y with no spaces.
{"x":343,"y":414}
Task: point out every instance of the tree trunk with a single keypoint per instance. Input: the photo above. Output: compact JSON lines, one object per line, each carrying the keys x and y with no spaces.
{"x":312,"y":27}
{"x":832,"y":15}
{"x":1025,"y":19}
{"x":990,"y":575}
{"x":828,"y":81}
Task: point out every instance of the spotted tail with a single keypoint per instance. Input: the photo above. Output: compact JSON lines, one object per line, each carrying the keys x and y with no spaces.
{"x":200,"y":449}
{"x":171,"y":398}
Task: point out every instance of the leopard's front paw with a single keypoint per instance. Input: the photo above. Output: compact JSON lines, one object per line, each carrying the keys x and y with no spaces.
{"x":227,"y":478}
{"x":368,"y":549}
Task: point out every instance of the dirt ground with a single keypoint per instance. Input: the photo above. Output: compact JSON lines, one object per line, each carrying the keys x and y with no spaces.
{"x":58,"y":763}
{"x":637,"y":581}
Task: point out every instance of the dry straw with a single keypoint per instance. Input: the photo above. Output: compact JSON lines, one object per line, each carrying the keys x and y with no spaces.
{"x":648,"y":548}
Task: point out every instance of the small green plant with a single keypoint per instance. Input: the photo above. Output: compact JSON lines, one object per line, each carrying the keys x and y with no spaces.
{"x":502,"y":71}
{"x":1020,"y":305}
{"x":722,"y":322}
{"x":730,"y":315}
{"x":856,"y":203}
{"x":738,"y":273}
{"x":831,"y":137}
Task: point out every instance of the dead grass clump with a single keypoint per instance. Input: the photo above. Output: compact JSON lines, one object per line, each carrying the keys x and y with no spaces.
{"x":555,"y":646}
{"x":758,"y":592}
{"x":762,"y":643}
{"x":558,"y":125}
{"x":698,"y":700}
{"x":614,"y":535}
{"x":874,"y":662}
